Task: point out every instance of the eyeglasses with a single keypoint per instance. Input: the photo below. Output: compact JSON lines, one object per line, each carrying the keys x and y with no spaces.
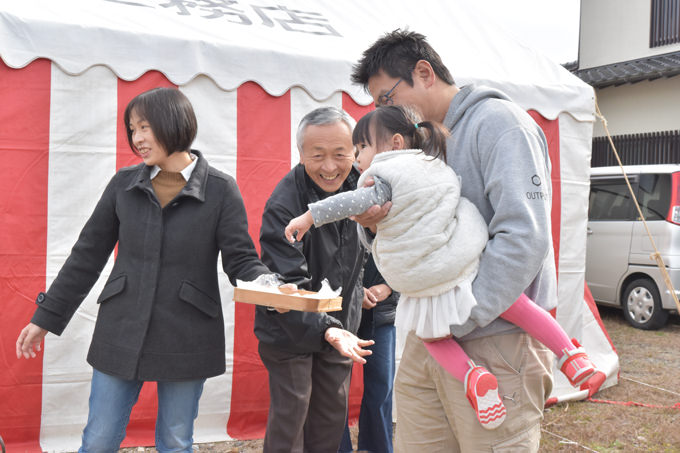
{"x":386,"y":99}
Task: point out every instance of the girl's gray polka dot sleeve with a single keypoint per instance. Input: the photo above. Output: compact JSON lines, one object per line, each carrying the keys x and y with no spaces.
{"x":354,"y":202}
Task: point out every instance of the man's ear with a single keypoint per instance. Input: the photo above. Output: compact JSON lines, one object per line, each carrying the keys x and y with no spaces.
{"x":424,"y":73}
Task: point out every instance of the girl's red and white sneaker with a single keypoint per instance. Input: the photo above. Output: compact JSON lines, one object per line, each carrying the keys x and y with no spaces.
{"x":481,"y":389}
{"x":576,"y":365}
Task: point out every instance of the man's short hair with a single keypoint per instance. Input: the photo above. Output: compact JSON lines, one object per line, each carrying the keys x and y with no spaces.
{"x":397,"y":53}
{"x":320,"y":117}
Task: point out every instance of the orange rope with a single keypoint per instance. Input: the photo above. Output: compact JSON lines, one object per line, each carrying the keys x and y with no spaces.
{"x":633,"y":403}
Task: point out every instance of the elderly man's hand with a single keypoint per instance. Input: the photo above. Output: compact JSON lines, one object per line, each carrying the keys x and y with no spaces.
{"x":348,"y":344}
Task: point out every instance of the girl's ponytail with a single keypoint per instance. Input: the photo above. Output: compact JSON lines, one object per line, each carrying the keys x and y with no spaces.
{"x":429,"y":136}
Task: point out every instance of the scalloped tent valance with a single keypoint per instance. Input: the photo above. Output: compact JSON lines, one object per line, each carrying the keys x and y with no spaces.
{"x":304,"y":43}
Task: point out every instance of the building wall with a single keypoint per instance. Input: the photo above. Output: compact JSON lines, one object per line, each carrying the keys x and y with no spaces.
{"x":648,"y":106}
{"x":614,"y":31}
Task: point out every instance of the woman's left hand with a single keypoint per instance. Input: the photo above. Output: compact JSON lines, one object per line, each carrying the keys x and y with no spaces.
{"x":29,"y":341}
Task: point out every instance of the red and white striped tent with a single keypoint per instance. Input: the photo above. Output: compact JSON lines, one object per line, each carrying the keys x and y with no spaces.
{"x":252,"y":69}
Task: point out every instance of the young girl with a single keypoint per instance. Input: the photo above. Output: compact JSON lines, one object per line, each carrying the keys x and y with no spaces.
{"x":428,"y":248}
{"x":160,"y":317}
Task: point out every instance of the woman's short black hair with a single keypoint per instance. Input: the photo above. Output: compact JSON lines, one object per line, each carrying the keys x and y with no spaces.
{"x":170,"y":115}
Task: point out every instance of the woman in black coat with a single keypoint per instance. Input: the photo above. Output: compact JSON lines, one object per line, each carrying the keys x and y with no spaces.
{"x":160,"y":317}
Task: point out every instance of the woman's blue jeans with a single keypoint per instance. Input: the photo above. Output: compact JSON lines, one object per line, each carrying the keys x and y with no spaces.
{"x":375,"y":418}
{"x":111,"y":401}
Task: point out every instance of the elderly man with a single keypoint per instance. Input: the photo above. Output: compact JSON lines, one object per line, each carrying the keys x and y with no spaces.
{"x":309,"y":355}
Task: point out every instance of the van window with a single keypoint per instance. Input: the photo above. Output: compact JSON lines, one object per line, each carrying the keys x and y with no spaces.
{"x":610,"y":200}
{"x":654,"y":195}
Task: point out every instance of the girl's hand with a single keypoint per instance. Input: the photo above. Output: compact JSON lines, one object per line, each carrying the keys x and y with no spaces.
{"x":301,"y":224}
{"x":348,"y":344}
{"x":29,"y":341}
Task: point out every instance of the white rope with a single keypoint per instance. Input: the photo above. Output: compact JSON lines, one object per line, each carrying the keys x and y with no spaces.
{"x":651,"y":386}
{"x":565,"y":441}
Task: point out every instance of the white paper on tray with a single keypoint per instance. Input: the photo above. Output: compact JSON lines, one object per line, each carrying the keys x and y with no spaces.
{"x":326,"y":292}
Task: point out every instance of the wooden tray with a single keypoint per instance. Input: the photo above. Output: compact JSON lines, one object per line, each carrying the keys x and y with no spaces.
{"x":290,"y":301}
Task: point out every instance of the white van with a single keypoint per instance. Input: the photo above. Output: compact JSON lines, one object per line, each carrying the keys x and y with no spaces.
{"x":619,"y":271}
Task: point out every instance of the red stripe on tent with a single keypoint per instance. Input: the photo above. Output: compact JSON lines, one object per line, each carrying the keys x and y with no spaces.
{"x":354,"y":109}
{"x":263,"y":158}
{"x":588,"y":297}
{"x":24,"y":146}
{"x":551,"y":129}
{"x":140,"y":430}
{"x":357,"y":386}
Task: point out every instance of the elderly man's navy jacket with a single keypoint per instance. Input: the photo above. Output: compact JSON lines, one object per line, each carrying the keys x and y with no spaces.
{"x":332,"y":251}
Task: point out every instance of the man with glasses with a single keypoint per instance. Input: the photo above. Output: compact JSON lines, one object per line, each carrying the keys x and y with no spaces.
{"x":500,"y":154}
{"x":386,"y":98}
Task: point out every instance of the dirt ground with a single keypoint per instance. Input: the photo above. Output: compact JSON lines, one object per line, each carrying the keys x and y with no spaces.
{"x":649,"y":362}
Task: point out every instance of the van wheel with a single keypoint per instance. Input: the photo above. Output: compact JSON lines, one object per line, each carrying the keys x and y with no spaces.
{"x":642,"y":305}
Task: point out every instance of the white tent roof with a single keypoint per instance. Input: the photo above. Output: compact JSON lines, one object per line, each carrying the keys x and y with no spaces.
{"x":307,"y":43}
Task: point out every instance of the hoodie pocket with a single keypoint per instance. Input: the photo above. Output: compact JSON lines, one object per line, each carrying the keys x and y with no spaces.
{"x":194,"y":296}
{"x":114,"y":286}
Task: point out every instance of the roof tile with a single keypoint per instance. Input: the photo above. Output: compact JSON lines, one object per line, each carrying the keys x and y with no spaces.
{"x":648,"y":68}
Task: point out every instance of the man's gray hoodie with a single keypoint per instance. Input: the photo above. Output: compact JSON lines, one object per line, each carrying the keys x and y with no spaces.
{"x":501,"y":156}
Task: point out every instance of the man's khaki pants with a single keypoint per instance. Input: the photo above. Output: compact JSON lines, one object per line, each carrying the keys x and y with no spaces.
{"x":433,"y":414}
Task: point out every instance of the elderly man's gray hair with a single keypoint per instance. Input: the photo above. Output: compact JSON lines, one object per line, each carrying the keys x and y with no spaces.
{"x":320,"y":117}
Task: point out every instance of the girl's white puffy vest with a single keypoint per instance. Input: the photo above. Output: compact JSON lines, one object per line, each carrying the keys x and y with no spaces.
{"x":431,"y":239}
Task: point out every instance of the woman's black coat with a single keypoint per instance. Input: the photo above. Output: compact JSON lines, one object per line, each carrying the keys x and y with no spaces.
{"x":160,"y":316}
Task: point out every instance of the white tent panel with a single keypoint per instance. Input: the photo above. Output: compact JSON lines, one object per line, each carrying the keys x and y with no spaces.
{"x":216,"y":114}
{"x":306,"y":43}
{"x":82,"y":155}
